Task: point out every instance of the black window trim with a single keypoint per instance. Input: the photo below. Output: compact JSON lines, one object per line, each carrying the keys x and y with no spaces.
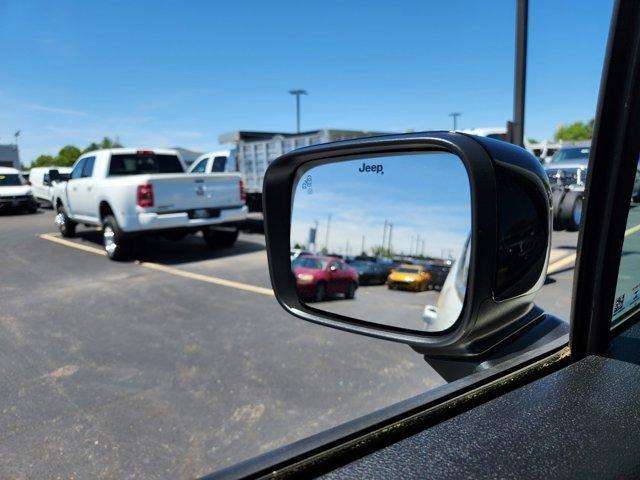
{"x":614,"y":151}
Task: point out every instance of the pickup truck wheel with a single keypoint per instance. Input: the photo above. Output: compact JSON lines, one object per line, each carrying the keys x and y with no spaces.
{"x":66,"y":226}
{"x":571,"y":211}
{"x":117,"y":247}
{"x":556,"y":201}
{"x":220,"y":236}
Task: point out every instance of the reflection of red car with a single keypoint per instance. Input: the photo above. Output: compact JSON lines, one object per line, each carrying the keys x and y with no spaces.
{"x":318,"y":276}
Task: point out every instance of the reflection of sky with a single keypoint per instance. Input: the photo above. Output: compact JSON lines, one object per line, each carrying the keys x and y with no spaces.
{"x":425,"y":195}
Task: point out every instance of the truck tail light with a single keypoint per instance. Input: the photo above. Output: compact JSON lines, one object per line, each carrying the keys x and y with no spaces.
{"x":145,"y":195}
{"x":243,"y":193}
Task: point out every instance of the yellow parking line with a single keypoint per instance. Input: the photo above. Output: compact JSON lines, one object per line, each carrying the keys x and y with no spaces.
{"x":163,"y":268}
{"x":568,"y":260}
{"x":78,"y":246}
{"x":206,"y":278}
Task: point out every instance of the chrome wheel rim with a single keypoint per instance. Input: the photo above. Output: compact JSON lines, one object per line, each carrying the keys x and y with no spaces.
{"x":59,"y":220}
{"x":109,"y":236}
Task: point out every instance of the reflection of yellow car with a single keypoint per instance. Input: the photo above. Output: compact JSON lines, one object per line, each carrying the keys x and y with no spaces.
{"x":410,"y":277}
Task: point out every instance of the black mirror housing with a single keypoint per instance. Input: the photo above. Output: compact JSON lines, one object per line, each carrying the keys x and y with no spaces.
{"x":54,"y":176}
{"x":510,"y":239}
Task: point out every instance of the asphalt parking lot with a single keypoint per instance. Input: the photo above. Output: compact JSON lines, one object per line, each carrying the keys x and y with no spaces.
{"x":181,"y":362}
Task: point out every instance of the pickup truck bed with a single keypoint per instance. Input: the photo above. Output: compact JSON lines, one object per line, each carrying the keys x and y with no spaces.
{"x":140,"y":192}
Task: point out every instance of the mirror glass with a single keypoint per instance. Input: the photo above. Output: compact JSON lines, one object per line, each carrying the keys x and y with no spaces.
{"x":384,"y":239}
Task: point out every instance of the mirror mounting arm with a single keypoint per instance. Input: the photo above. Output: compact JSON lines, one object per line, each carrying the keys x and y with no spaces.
{"x":544,"y":330}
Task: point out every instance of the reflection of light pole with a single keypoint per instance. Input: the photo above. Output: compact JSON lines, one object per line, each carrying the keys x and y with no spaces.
{"x":384,"y":234}
{"x":346,"y":249}
{"x":455,"y":116}
{"x":362,"y":249}
{"x":411,"y":246}
{"x":326,"y":239}
{"x":315,"y":237}
{"x":297,"y":92}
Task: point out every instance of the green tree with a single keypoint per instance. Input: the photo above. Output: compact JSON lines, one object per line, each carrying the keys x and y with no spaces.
{"x":92,"y":146}
{"x":575,"y":131}
{"x":379,"y":251}
{"x":44,"y":161}
{"x":68,"y":155}
{"x":105,"y":143}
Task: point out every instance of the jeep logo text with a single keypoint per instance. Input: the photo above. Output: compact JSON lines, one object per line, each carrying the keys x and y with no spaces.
{"x":372,"y":168}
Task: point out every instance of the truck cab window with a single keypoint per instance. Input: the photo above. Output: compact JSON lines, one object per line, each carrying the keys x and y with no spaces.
{"x":77,"y":170}
{"x":200,"y":167}
{"x":87,"y":169}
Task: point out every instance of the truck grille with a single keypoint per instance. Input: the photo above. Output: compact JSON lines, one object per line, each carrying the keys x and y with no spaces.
{"x":567,"y":176}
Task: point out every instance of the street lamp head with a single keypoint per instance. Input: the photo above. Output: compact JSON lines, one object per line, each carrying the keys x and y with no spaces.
{"x":298,"y":91}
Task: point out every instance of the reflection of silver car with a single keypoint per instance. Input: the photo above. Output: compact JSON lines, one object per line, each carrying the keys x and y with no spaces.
{"x":449,"y":306}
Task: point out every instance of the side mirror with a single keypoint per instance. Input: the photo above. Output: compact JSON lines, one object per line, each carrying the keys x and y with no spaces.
{"x":45,"y":180}
{"x":54,"y":176}
{"x":438,"y":196}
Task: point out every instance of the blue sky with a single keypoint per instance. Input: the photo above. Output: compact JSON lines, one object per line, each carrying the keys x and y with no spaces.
{"x":159,"y":73}
{"x":424,"y":195}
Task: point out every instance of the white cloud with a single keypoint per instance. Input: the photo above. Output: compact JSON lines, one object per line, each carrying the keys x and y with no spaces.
{"x":61,"y":111}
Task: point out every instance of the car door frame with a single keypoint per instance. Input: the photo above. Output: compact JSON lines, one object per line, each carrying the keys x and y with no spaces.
{"x":88,"y":206}
{"x":614,"y":152}
{"x":72,"y":206}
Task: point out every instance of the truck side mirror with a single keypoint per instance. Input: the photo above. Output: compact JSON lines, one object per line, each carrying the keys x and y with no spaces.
{"x":411,"y":198}
{"x":54,"y":176}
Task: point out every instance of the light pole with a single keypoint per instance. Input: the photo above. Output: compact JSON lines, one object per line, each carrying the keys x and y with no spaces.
{"x":297,"y":92}
{"x":455,"y":116}
{"x":326,"y":240}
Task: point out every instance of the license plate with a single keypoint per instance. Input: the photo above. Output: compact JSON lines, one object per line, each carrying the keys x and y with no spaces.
{"x":15,"y":203}
{"x":201,"y":213}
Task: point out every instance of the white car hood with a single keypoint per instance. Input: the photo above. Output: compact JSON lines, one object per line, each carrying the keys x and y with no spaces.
{"x":15,"y":191}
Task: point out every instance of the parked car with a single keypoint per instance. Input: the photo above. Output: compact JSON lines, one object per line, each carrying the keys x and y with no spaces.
{"x":409,"y":277}
{"x":438,"y":274}
{"x":134,"y":192}
{"x":41,"y":184}
{"x":15,"y":192}
{"x":320,"y":276}
{"x":369,"y":272}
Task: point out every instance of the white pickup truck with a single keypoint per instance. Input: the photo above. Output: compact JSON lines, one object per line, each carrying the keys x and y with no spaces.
{"x":133,"y":192}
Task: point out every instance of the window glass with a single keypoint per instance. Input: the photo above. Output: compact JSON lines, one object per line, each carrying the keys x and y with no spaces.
{"x":180,"y":361}
{"x":10,"y":180}
{"x":219,"y":164}
{"x":77,"y":170}
{"x":87,"y":169}
{"x":200,"y":167}
{"x":134,"y":164}
{"x":627,"y":296}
